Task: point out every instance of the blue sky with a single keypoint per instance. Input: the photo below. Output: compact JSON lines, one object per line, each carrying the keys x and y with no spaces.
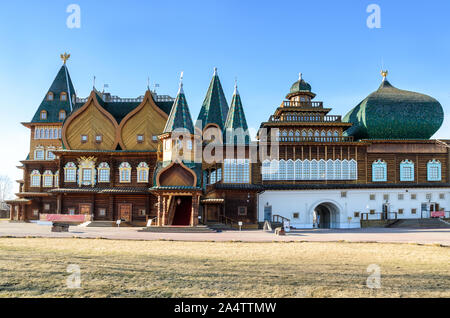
{"x":265,"y":44}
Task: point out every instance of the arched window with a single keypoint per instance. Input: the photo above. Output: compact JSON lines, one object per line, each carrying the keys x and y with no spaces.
{"x":284,"y":135}
{"x":337,"y":169}
{"x":35,"y":178}
{"x":103,"y":172}
{"x":317,"y":135}
{"x":345,"y":170}
{"x":63,"y":96}
{"x":434,"y":170}
{"x":298,"y":169}
{"x":50,"y":154}
{"x":379,"y":171}
{"x":274,"y":170}
{"x":265,"y":170}
{"x":50,"y":133}
{"x":330,"y":169}
{"x":43,"y":115}
{"x":86,"y":172}
{"x":59,"y":133}
{"x":322,"y":169}
{"x":306,"y":170}
{"x":42,"y":134}
{"x":406,"y":170}
{"x":125,"y":172}
{"x":50,"y":96}
{"x":47,"y":179}
{"x":70,"y":172}
{"x":55,"y":133}
{"x":62,"y":114}
{"x":47,"y":134}
{"x":37,"y":133}
{"x":314,"y":170}
{"x":290,"y":170}
{"x":353,"y":169}
{"x":323,"y":135}
{"x":282,"y":170}
{"x":297,"y":135}
{"x":304,"y":135}
{"x":142,"y":172}
{"x":291,"y":135}
{"x":329,"y":136}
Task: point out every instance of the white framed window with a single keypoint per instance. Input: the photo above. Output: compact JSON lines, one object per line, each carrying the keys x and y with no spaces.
{"x":103,"y":172}
{"x":353,"y":167}
{"x":345,"y":170}
{"x":434,"y":170}
{"x":290,"y":170}
{"x":379,"y":171}
{"x":50,"y":96}
{"x":70,"y":172}
{"x":86,"y":175}
{"x":282,"y":170}
{"x":142,"y":172}
{"x":37,"y":133}
{"x":47,"y":179}
{"x":35,"y":178}
{"x":43,"y":115}
{"x":125,"y":172}
{"x":62,"y":114}
{"x":265,"y":170}
{"x":322,"y":170}
{"x":236,"y":171}
{"x":298,"y":169}
{"x":330,"y":170}
{"x":39,"y":153}
{"x":314,"y":170}
{"x":50,"y":155}
{"x":406,"y":170}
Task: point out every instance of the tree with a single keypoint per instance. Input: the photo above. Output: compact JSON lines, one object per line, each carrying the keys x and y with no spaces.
{"x":5,"y":187}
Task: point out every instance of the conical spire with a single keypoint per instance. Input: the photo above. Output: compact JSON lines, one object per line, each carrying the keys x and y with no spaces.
{"x":179,"y":117}
{"x":215,"y":107}
{"x":236,"y":124}
{"x":53,"y":103}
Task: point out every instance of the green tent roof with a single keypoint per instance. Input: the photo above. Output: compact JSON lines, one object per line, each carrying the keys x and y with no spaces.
{"x":236,"y":125}
{"x":215,"y":107}
{"x":61,"y":83}
{"x":180,"y":116}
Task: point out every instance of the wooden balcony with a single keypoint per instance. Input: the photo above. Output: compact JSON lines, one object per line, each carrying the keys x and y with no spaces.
{"x":316,"y":139}
{"x":306,"y":118}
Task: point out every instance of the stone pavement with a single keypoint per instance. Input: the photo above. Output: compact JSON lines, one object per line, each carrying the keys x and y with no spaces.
{"x":387,"y":235}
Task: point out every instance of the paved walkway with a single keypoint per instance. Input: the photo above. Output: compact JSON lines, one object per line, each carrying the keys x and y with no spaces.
{"x":421,"y":236}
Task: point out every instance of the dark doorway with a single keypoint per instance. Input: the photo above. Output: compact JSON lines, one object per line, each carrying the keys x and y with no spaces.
{"x":183,"y":210}
{"x":324,"y":217}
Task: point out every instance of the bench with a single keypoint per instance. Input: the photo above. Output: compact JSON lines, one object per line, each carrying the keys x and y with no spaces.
{"x":60,"y":227}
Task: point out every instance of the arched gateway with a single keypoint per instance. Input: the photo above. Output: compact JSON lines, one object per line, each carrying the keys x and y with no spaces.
{"x":327,"y":215}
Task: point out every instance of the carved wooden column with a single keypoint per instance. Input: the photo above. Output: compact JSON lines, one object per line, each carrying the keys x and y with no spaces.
{"x":195,"y":206}
{"x":58,"y":204}
{"x":11,"y":212}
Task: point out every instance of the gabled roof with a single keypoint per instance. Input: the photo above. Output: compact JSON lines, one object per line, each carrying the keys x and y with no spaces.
{"x":214,"y":108}
{"x":61,"y":83}
{"x":180,"y":116}
{"x":236,"y":123}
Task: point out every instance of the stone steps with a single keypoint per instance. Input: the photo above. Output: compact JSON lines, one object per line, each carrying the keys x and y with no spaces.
{"x":434,"y":223}
{"x":178,"y":229}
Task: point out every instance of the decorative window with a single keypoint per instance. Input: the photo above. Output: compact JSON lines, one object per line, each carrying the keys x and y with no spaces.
{"x":236,"y":171}
{"x":140,"y":138}
{"x":98,"y":138}
{"x":406,"y":170}
{"x":63,"y":96}
{"x":297,"y":135}
{"x":330,"y":169}
{"x":125,"y":172}
{"x":242,"y":210}
{"x":50,"y":154}
{"x":189,"y":144}
{"x":379,"y":171}
{"x":103,"y":172}
{"x":84,"y":138}
{"x":47,"y":179}
{"x":57,"y":179}
{"x":155,"y":138}
{"x":37,"y":133}
{"x":142,"y":172}
{"x":322,"y":170}
{"x":59,"y":133}
{"x":298,"y":170}
{"x":35,"y":178}
{"x":43,"y":115}
{"x":353,"y":170}
{"x":50,"y":133}
{"x":317,"y":136}
{"x":50,"y":96}
{"x":306,"y":170}
{"x":290,"y":170}
{"x":86,"y":171}
{"x":56,"y":133}
{"x":282,"y":170}
{"x":70,"y":172}
{"x":274,"y":170}
{"x":39,"y":153}
{"x":47,"y":134}
{"x":265,"y":170}
{"x":86,"y":176}
{"x":62,"y":115}
{"x":337,"y":170}
{"x":345,"y":170}
{"x":434,"y":170}
{"x":314,"y":170}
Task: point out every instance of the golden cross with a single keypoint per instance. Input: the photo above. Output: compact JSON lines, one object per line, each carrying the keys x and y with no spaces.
{"x":65,"y":57}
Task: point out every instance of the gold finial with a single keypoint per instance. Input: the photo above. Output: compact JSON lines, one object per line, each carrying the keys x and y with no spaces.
{"x":384,"y":74}
{"x":65,"y":57}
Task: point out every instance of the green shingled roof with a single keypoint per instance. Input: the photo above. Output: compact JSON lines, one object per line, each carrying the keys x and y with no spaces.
{"x":179,"y":117}
{"x":61,"y":83}
{"x":214,"y":108}
{"x":236,"y":124}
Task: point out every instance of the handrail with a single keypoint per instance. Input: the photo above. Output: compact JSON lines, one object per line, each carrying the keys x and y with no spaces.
{"x":276,"y":218}
{"x":306,"y":118}
{"x":288,"y":103}
{"x":315,"y":139}
{"x":227,"y":221}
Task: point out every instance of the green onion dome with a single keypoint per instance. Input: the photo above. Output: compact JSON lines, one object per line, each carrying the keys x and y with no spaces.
{"x":392,"y":113}
{"x":300,"y":87}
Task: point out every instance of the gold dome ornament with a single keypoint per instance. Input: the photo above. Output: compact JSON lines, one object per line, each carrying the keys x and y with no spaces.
{"x":384,"y":74}
{"x":65,"y":57}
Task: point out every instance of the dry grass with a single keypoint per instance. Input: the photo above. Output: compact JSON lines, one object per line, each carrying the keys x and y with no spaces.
{"x":36,"y":267}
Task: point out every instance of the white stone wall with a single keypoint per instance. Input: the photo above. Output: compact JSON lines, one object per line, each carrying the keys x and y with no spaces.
{"x":286,"y":203}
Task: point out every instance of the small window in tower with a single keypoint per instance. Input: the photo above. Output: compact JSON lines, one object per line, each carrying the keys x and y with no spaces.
{"x":63,"y":96}
{"x":43,"y":115}
{"x":295,"y":215}
{"x":62,"y":115}
{"x":155,"y":138}
{"x":140,"y":138}
{"x":84,"y":138}
{"x":98,"y":138}
{"x":50,"y":96}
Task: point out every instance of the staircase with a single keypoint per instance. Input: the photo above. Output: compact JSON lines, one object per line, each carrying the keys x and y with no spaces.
{"x":434,"y":223}
{"x":179,"y":229}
